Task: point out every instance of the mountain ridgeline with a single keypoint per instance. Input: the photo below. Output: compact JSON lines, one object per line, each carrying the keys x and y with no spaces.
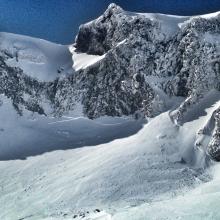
{"x":148,"y":60}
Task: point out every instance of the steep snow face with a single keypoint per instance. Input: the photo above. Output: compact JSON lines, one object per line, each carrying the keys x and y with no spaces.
{"x":38,"y":58}
{"x":140,"y":58}
{"x":83,"y":60}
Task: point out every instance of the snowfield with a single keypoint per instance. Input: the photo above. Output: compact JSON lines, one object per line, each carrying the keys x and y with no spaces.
{"x":127,"y":178}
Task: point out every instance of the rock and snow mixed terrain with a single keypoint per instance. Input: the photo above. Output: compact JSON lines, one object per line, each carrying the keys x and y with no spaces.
{"x":119,"y":125}
{"x":37,"y":58}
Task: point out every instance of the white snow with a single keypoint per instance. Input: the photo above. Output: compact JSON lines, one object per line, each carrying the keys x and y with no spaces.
{"x":122,"y":42}
{"x":201,"y":203}
{"x":32,"y":134}
{"x":210,"y":15}
{"x":38,"y":58}
{"x":83,"y":60}
{"x":145,"y":170}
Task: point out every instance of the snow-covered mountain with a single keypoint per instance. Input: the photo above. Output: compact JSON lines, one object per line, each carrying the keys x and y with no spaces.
{"x":124,"y":64}
{"x":112,"y":127}
{"x":146,"y":55}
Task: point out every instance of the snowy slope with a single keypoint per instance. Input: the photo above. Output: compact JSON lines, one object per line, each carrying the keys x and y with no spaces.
{"x":33,"y":134}
{"x":147,"y":167}
{"x":38,"y":58}
{"x":201,"y":203}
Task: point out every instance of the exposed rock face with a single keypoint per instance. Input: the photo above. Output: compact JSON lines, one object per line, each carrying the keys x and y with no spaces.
{"x":33,"y":95}
{"x":183,"y":63}
{"x":115,"y":25}
{"x":98,"y":37}
{"x":147,"y":57}
{"x":21,"y":89}
{"x":214,"y":145}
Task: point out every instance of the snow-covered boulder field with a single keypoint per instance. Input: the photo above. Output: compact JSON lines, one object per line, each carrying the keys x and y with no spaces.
{"x":124,"y":124}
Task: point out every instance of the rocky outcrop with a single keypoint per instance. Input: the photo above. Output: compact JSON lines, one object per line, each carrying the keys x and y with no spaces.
{"x":137,"y":46}
{"x":24,"y":91}
{"x":214,"y":145}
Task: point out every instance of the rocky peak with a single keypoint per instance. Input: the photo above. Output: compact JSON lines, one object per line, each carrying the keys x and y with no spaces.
{"x":94,"y":37}
{"x":138,"y":46}
{"x":115,"y":25}
{"x":113,"y":9}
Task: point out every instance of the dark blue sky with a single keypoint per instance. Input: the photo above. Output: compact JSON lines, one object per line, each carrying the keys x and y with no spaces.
{"x":58,"y":20}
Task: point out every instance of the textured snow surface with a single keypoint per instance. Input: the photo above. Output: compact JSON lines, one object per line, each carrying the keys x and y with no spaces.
{"x":201,"y":203}
{"x":129,"y":178}
{"x":38,"y":58}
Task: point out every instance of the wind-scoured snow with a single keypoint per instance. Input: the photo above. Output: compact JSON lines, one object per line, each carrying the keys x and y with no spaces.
{"x":38,"y":58}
